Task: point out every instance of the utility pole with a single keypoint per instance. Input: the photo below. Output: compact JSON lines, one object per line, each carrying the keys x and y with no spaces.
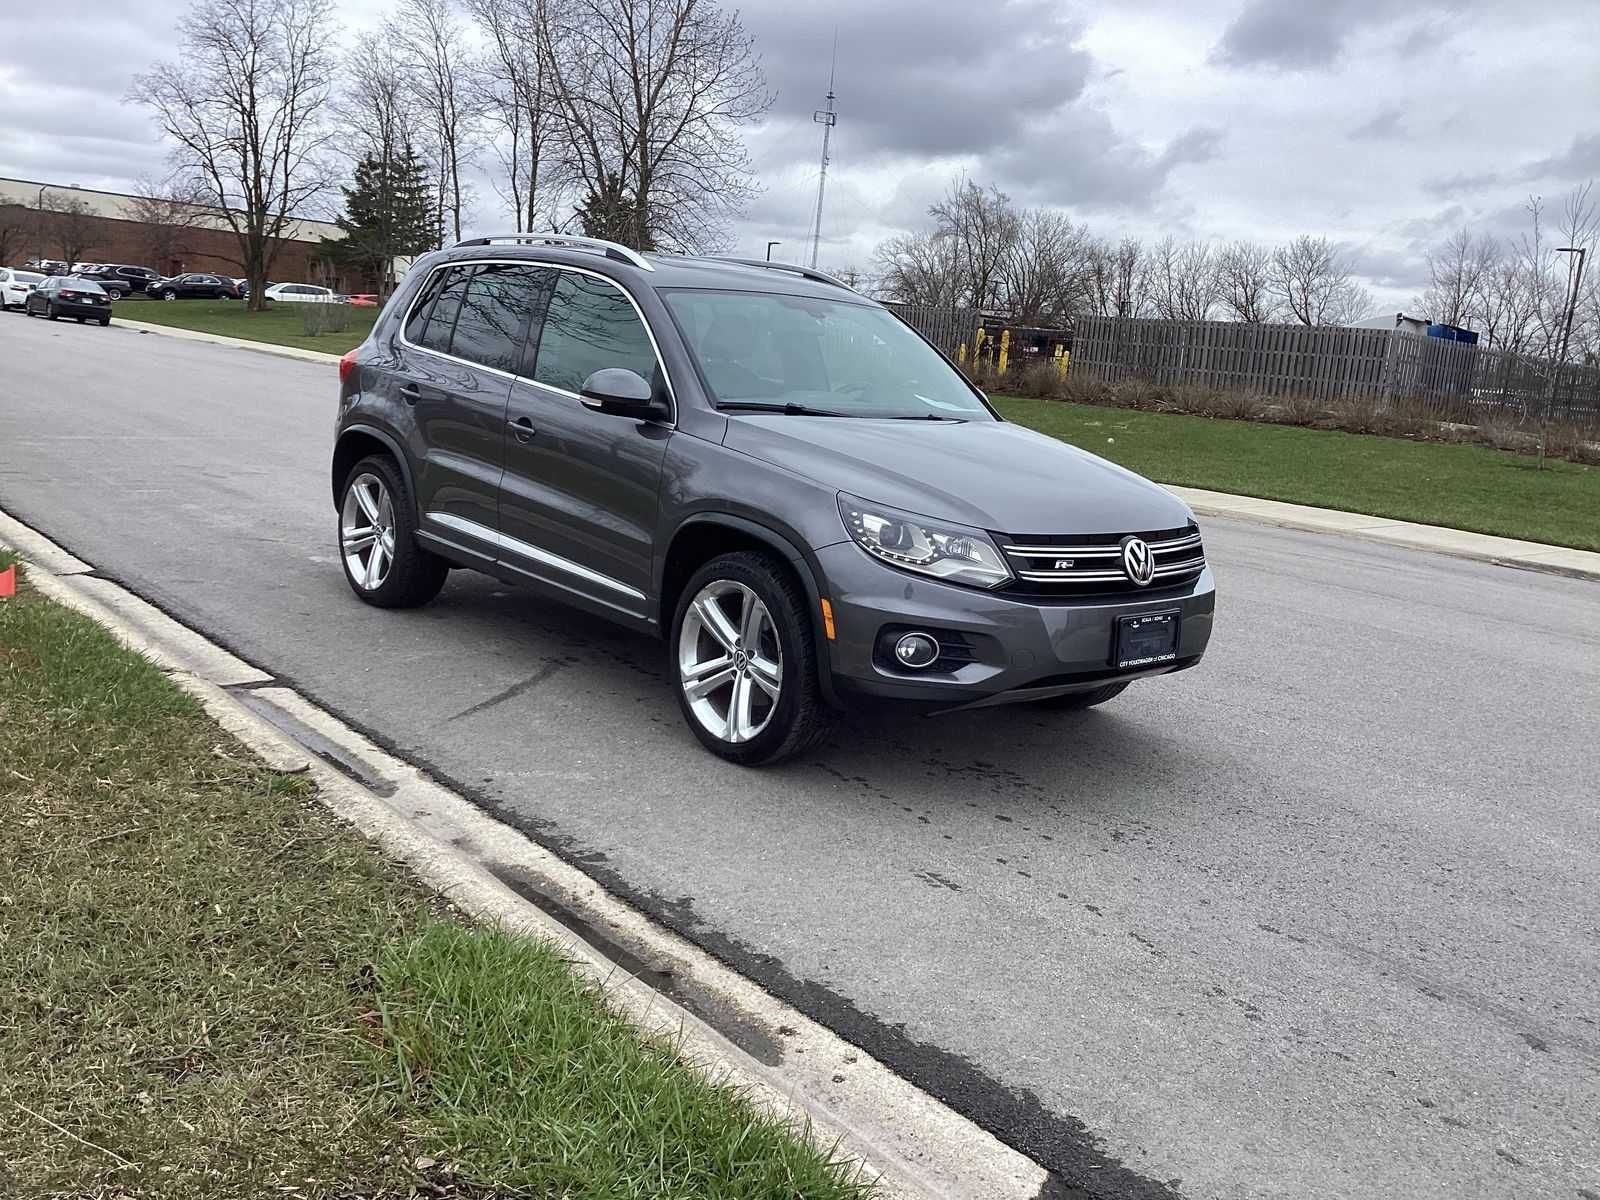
{"x":1566,"y":337}
{"x":827,"y":118}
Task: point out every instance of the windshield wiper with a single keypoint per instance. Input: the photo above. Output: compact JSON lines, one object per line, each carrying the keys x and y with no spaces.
{"x":925,"y":417}
{"x":791,"y":410}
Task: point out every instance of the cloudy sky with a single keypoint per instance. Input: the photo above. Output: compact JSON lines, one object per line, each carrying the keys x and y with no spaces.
{"x":1381,"y":124}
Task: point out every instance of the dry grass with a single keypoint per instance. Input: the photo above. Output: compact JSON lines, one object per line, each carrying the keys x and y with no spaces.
{"x":1414,"y":421}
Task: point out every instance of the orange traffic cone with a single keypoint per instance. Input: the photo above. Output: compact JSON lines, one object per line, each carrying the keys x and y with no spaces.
{"x":8,"y":581}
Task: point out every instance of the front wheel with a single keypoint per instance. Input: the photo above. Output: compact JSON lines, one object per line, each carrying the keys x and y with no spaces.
{"x":743,"y":652}
{"x":169,"y":295}
{"x":377,"y":539}
{"x":1076,"y":701}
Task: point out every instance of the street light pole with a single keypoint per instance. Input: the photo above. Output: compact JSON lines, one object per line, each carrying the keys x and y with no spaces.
{"x":770,"y":245}
{"x":1566,"y":338}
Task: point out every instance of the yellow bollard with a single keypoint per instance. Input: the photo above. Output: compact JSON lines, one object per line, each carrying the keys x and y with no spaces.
{"x":1066,"y":360}
{"x":1005,"y":349}
{"x":961,"y":354}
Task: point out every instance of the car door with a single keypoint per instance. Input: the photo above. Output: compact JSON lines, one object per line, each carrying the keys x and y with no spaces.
{"x":451,"y":372}
{"x":578,"y":502}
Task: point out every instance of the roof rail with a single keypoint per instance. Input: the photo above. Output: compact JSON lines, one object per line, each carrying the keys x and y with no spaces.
{"x":610,"y":249}
{"x":810,"y":273}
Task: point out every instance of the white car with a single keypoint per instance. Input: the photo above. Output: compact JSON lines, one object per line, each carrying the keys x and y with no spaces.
{"x":301,"y":293}
{"x":15,"y":286}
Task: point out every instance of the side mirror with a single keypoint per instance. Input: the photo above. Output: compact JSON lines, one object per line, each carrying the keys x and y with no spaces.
{"x":622,"y":393}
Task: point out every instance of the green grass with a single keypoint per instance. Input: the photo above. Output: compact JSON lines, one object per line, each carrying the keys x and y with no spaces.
{"x":282,"y":324}
{"x":214,"y":989}
{"x":1463,"y":487}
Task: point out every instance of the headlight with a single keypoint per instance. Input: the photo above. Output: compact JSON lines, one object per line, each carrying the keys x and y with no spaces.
{"x":951,"y":552}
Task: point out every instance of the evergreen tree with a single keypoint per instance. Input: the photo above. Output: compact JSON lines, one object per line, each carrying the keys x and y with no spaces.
{"x":389,"y":214}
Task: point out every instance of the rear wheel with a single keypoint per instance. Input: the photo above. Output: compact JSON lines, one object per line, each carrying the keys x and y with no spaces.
{"x":1074,"y":701}
{"x":169,"y":294}
{"x":49,"y":311}
{"x":744,"y":654}
{"x":105,"y":322}
{"x":377,"y":539}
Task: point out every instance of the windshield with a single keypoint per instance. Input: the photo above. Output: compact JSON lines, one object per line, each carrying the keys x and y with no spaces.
{"x":761,"y":350}
{"x":82,"y":285}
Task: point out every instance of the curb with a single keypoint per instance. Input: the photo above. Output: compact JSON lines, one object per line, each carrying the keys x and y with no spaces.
{"x":913,"y":1146}
{"x":1439,"y":539}
{"x":1457,"y":543}
{"x":217,"y":339}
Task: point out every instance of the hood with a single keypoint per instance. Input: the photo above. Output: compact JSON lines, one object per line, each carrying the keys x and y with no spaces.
{"x":992,"y":475}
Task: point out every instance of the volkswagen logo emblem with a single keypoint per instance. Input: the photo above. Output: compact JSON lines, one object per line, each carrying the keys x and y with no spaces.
{"x":1137,"y":561}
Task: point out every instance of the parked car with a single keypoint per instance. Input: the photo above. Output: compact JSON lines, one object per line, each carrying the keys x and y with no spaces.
{"x":300,"y":293}
{"x":119,"y":279}
{"x":361,"y":300}
{"x":195,"y":287}
{"x":774,"y":473}
{"x":47,"y":266}
{"x":66,"y":296}
{"x":15,"y":286}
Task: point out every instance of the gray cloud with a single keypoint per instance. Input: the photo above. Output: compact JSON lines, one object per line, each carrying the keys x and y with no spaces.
{"x":1382,"y":125}
{"x":1577,"y":163}
{"x":1294,"y":34}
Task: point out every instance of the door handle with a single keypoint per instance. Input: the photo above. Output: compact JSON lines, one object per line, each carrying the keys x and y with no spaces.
{"x":410,"y":393}
{"x":522,"y":428}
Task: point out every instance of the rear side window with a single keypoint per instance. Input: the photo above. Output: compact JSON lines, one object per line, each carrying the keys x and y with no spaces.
{"x":418,"y":320}
{"x":442,"y":320}
{"x":590,"y":325}
{"x":495,"y":307}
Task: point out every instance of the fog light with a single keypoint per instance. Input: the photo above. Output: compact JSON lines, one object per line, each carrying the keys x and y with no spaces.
{"x":916,"y":650}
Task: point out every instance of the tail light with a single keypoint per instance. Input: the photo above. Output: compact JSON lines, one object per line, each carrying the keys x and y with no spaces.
{"x":347,"y":363}
{"x":66,"y":295}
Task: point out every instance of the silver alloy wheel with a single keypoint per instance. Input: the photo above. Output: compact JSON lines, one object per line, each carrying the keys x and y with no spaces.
{"x":730,"y":662}
{"x":366,"y":531}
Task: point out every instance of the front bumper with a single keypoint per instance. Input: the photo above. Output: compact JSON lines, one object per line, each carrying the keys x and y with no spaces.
{"x":1022,"y":648}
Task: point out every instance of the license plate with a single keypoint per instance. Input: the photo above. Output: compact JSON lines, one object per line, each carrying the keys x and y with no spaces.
{"x":1145,"y":640}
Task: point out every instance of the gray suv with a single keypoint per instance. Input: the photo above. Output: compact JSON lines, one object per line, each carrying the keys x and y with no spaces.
{"x":801,"y":495}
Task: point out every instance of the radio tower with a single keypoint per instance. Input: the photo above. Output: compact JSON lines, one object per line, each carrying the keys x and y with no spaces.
{"x":827,"y":118}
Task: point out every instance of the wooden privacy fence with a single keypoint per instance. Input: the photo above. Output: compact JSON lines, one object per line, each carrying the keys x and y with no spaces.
{"x":946,"y":328}
{"x":1453,"y":379}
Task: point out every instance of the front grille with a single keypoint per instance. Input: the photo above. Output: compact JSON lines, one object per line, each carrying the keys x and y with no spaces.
{"x":1092,"y":565}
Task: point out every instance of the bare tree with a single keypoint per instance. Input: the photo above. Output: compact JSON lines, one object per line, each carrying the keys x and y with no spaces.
{"x":1312,"y":280}
{"x":1459,"y":273}
{"x":69,"y":226}
{"x":921,"y":268}
{"x":1117,"y":278}
{"x":168,"y":213}
{"x":514,"y":95}
{"x":1183,"y":280}
{"x":244,"y":106}
{"x":1244,"y":272}
{"x":432,"y":41}
{"x":1046,"y":273}
{"x":14,"y":231}
{"x":650,"y":95}
{"x":983,"y":225}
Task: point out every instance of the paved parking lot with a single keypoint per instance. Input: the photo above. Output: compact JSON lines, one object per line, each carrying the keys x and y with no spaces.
{"x":1321,"y":917}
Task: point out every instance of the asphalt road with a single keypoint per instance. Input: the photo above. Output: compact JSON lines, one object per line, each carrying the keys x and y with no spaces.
{"x":1321,"y":918}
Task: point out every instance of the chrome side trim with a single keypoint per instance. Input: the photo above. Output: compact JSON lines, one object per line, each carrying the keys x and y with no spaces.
{"x":530,"y":552}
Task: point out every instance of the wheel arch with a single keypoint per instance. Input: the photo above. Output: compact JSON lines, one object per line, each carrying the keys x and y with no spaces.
{"x":355,"y":443}
{"x":703,"y":536}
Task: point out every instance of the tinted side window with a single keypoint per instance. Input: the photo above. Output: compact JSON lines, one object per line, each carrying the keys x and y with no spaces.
{"x":442,"y":321}
{"x":495,"y":309}
{"x":590,"y":325}
{"x":418,"y":319}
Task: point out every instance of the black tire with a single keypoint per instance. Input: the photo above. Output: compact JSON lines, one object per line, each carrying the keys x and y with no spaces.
{"x":1076,"y":701}
{"x":800,"y":717}
{"x":105,"y":322}
{"x":81,"y":320}
{"x":415,"y":575}
{"x":49,"y":311}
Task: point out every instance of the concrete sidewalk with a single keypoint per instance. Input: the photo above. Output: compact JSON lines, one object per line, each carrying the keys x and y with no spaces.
{"x":1459,"y":543}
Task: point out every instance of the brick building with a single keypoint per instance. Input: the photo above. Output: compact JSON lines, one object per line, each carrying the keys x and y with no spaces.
{"x":47,"y":220}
